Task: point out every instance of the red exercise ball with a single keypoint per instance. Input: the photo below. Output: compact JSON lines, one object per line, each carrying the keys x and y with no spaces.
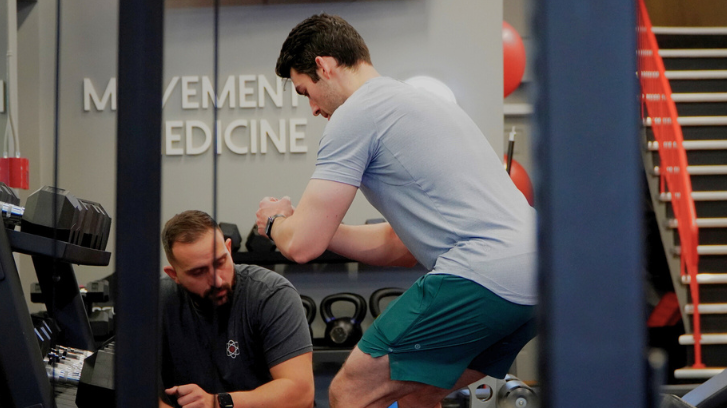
{"x":521,"y":179}
{"x":513,"y":57}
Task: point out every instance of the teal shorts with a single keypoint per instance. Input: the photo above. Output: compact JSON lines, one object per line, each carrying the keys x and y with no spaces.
{"x":444,"y":324}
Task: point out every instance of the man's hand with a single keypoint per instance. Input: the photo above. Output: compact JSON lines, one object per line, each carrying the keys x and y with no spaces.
{"x":270,"y":206}
{"x":192,"y":396}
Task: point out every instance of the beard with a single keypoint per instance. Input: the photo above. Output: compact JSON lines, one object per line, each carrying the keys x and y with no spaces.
{"x":212,"y":295}
{"x":210,"y":299}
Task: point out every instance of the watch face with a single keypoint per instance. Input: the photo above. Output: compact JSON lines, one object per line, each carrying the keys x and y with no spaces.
{"x":225,"y":400}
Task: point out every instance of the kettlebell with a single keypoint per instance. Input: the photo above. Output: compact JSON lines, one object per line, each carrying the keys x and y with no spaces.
{"x":378,"y":295}
{"x":343,"y":331}
{"x":310,"y":311}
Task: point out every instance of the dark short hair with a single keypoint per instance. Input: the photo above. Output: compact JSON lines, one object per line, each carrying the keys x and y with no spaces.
{"x":186,"y":227}
{"x":325,"y":36}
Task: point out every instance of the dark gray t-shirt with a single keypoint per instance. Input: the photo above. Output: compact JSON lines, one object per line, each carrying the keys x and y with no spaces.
{"x":233,"y":350}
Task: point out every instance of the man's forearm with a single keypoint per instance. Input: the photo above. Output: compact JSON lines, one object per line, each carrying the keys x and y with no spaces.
{"x":295,"y":241}
{"x":375,"y":244}
{"x":279,"y":393}
{"x":308,"y":229}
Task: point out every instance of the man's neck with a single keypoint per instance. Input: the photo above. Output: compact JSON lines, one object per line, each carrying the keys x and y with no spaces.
{"x":354,"y":78}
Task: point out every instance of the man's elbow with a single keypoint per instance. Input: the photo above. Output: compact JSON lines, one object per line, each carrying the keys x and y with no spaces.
{"x":302,"y":252}
{"x":410,"y":261}
{"x":309,"y":402}
{"x":305,"y":395}
{"x":406,"y":261}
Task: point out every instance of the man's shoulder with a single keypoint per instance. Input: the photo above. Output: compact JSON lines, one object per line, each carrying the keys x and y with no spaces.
{"x":373,"y":98}
{"x":373,"y":92}
{"x":259,"y":278}
{"x":166,"y":284}
{"x":168,"y":290}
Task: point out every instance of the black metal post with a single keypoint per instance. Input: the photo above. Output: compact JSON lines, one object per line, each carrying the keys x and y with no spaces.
{"x":592,"y":334}
{"x":24,"y":380}
{"x":138,"y":200}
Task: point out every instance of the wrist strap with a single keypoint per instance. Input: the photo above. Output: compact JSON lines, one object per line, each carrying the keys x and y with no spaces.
{"x":269,"y":229}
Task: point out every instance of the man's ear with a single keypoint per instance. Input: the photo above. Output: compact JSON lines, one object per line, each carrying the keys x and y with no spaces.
{"x":325,"y":65}
{"x":228,"y":244}
{"x":172,"y":273}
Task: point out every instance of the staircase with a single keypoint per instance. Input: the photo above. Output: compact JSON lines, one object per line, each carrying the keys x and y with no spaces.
{"x":695,"y":60}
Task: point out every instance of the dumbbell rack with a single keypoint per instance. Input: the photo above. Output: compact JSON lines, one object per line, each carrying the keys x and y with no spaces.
{"x":26,"y":382}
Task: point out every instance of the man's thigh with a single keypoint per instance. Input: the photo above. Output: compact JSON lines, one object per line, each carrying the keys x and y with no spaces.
{"x":433,"y":332}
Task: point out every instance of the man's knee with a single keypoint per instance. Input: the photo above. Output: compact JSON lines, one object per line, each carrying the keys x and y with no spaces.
{"x":346,"y":388}
{"x":363,"y":381}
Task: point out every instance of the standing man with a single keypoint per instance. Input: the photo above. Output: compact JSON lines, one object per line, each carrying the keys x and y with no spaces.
{"x":450,"y":205}
{"x":233,"y":335}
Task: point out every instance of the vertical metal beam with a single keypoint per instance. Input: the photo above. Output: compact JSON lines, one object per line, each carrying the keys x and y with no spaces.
{"x":592,"y":337}
{"x":138,"y":199}
{"x":22,"y":371}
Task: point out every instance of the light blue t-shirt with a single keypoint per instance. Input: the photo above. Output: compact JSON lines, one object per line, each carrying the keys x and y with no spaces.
{"x":425,"y":165}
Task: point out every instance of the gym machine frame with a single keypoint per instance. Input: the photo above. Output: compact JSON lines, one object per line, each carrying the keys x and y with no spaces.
{"x":22,"y":363}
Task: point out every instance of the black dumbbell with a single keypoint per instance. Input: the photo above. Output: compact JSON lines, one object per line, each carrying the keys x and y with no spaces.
{"x":98,"y":291}
{"x":102,"y":323}
{"x":310,"y":311}
{"x":96,"y":225}
{"x":258,"y":243}
{"x":78,"y":221}
{"x":343,"y":331}
{"x":9,"y":202}
{"x":7,"y":195}
{"x":380,"y":294}
{"x":231,"y":231}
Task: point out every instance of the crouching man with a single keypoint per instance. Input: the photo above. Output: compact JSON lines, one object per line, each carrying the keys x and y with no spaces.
{"x":233,"y":335}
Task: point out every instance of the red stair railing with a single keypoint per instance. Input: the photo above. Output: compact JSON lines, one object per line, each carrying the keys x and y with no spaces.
{"x":662,"y":112}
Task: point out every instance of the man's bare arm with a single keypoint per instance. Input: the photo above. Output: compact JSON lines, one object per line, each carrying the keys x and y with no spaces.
{"x":292,"y":386}
{"x":308,"y":229}
{"x":375,"y":244}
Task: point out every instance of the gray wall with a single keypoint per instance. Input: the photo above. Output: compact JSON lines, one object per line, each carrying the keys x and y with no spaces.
{"x":447,"y":40}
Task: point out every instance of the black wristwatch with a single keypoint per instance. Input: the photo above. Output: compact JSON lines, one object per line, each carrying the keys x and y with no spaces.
{"x":269,"y":226}
{"x":225,"y":400}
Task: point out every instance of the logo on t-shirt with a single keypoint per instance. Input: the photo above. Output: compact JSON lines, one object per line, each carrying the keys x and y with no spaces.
{"x":233,"y":348}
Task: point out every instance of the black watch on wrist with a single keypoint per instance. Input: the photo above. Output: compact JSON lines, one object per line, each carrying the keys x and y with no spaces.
{"x":269,"y":226}
{"x":225,"y":400}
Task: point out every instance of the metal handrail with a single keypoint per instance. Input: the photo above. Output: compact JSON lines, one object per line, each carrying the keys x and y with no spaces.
{"x":656,"y":98}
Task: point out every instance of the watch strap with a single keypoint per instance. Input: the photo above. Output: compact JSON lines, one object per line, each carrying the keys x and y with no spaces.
{"x":269,"y":226}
